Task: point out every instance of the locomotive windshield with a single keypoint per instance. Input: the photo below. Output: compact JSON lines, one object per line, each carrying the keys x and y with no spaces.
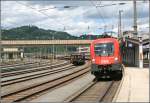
{"x":104,"y":49}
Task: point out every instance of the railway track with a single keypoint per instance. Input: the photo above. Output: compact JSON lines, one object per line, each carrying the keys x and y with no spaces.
{"x":43,"y":86}
{"x":34,"y":69}
{"x":24,"y":66}
{"x":36,"y":75}
{"x":102,"y":91}
{"x":22,"y":84}
{"x":3,"y":64}
{"x":17,"y":63}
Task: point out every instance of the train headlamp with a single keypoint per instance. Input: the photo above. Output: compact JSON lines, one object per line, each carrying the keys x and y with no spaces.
{"x":93,"y":60}
{"x":116,"y":59}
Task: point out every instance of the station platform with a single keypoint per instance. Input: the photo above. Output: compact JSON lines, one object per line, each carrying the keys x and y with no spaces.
{"x":134,"y":86}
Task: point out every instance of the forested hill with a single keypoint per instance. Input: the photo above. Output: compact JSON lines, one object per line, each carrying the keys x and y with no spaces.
{"x":33,"y":33}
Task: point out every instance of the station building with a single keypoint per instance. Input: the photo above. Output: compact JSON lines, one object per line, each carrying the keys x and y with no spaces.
{"x":136,"y":48}
{"x":11,"y":54}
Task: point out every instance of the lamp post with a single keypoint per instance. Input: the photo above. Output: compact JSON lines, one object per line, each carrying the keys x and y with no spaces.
{"x":105,"y":29}
{"x":140,"y":52}
{"x":53,"y":47}
{"x":40,"y":54}
{"x":135,"y":17}
{"x":119,"y":25}
{"x":67,"y":46}
{"x":112,"y":29}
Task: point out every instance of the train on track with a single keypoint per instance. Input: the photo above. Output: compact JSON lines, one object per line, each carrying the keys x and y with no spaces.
{"x":80,"y":56}
{"x":77,"y":58}
{"x":84,"y":50}
{"x":106,"y":58}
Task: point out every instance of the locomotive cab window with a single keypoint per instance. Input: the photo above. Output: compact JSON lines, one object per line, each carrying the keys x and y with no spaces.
{"x":104,"y":49}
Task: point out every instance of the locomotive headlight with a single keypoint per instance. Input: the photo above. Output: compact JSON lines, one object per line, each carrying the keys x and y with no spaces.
{"x":93,"y":60}
{"x":116,"y":59}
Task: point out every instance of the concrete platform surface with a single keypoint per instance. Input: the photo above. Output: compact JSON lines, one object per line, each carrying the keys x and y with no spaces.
{"x":135,"y":86}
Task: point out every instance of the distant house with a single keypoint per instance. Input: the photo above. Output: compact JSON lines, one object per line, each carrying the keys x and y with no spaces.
{"x":11,"y":53}
{"x":129,"y":34}
{"x":111,"y":33}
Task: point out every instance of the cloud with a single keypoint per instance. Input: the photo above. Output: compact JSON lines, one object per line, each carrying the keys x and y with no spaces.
{"x":19,"y":15}
{"x":110,"y":12}
{"x":60,"y":3}
{"x":76,"y":20}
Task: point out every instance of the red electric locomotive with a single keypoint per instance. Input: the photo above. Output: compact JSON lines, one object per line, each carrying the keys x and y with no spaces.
{"x":106,"y":58}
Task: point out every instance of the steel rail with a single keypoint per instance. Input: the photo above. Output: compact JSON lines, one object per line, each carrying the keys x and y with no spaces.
{"x":23,"y":67}
{"x":14,"y":63}
{"x":19,"y":63}
{"x":29,"y":70}
{"x":78,"y":93}
{"x":20,"y":95}
{"x":38,"y":81}
{"x":38,"y":75}
{"x":94,"y":93}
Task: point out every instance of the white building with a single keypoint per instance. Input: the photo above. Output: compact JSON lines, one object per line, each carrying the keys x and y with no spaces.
{"x":11,"y":53}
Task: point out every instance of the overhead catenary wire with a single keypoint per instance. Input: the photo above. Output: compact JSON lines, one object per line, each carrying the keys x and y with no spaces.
{"x":12,"y":23}
{"x":101,"y":16}
{"x":115,"y":10}
{"x":99,"y":13}
{"x":43,"y":13}
{"x":38,"y":11}
{"x":103,"y":20}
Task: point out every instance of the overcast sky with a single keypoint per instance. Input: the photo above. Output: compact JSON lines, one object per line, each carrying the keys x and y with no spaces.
{"x":82,"y":17}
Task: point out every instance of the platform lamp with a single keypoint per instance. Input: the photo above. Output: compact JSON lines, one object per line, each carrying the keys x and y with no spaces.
{"x":66,"y":47}
{"x":40,"y":55}
{"x":140,"y":52}
{"x":53,"y":53}
{"x":120,"y":24}
{"x":100,"y":28}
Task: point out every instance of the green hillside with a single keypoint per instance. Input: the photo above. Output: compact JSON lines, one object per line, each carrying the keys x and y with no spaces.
{"x":34,"y":33}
